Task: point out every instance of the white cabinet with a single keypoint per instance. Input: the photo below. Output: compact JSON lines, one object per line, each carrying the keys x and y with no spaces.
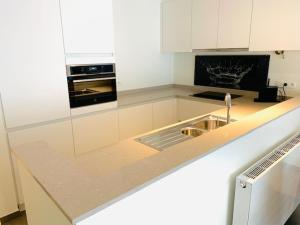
{"x":234,"y":23}
{"x":176,"y":25}
{"x":221,"y":23}
{"x":188,"y":109}
{"x":40,"y":208}
{"x":275,"y":25}
{"x":87,"y":26}
{"x":8,"y":198}
{"x":57,"y":135}
{"x":205,"y":14}
{"x":95,"y":131}
{"x":135,"y":120}
{"x":164,"y":113}
{"x":33,"y":75}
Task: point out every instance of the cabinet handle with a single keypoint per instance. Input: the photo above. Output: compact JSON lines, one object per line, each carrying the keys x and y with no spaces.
{"x":96,"y":79}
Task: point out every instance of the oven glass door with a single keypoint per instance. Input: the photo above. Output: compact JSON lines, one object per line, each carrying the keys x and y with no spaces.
{"x":84,"y":92}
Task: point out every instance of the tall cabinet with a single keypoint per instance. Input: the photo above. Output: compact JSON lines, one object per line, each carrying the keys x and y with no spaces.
{"x":88,"y":26}
{"x":33,"y":76}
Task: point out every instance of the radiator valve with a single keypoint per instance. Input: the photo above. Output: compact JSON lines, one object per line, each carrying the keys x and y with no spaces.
{"x":243,"y":184}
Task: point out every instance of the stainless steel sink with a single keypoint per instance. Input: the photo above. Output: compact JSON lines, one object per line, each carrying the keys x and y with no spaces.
{"x":165,"y":138}
{"x":206,"y":124}
{"x":191,"y":131}
{"x":210,"y":123}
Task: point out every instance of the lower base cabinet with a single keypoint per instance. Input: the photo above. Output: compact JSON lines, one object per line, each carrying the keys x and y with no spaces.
{"x":57,"y":135}
{"x":40,"y":209}
{"x":164,"y":113}
{"x":188,"y":109}
{"x":95,"y":131}
{"x":135,"y":120}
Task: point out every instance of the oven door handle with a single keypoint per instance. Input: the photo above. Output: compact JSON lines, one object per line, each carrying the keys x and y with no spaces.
{"x":95,"y":79}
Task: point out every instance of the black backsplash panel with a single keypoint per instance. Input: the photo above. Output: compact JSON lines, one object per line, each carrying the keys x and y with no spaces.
{"x":245,"y":72}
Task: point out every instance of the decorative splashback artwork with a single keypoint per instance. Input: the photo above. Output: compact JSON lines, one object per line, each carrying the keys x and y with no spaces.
{"x":246,"y":72}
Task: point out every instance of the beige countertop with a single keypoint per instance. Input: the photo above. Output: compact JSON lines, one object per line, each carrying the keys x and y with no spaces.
{"x":129,"y":98}
{"x":242,"y":106}
{"x":82,"y":186}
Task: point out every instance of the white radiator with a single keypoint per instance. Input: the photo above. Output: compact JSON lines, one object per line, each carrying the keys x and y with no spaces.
{"x":269,"y":191}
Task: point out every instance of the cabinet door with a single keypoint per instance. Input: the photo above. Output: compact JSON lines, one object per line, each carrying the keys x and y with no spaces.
{"x":57,"y":135}
{"x":95,"y":131}
{"x":40,"y":207}
{"x":176,"y":25}
{"x":135,"y":120}
{"x":8,"y":198}
{"x":275,"y":25}
{"x":234,"y":23}
{"x":164,"y":113}
{"x":188,"y":109}
{"x":87,"y":26}
{"x":205,"y":16}
{"x":33,"y":75}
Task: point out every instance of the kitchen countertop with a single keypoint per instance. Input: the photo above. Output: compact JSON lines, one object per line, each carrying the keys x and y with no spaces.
{"x":242,"y":106}
{"x":82,"y":186}
{"x":140,"y":96}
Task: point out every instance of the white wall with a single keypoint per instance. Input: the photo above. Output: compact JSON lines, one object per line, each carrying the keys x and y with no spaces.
{"x":287,"y":69}
{"x":137,"y":45}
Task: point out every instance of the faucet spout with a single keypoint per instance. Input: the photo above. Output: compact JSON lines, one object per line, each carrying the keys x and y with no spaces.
{"x":228,"y":105}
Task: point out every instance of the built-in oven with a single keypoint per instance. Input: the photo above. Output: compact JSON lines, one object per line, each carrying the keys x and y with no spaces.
{"x":91,"y":84}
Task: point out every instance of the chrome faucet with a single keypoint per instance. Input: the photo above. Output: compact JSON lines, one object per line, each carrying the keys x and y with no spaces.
{"x":228,"y":105}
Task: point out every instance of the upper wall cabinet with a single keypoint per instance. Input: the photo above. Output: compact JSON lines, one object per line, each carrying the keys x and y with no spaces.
{"x":176,"y":25}
{"x":221,"y":24}
{"x":33,"y":80}
{"x":234,"y":23}
{"x":205,"y":24}
{"x":275,"y":25}
{"x":87,"y":26}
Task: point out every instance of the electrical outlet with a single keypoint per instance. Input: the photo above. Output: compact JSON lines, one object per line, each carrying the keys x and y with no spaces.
{"x":280,"y":83}
{"x":292,"y":85}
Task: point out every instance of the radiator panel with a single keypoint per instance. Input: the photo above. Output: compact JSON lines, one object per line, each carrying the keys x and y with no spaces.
{"x":272,"y":196}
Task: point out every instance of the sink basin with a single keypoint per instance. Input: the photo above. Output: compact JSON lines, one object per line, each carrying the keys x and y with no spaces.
{"x":165,"y":138}
{"x":206,"y":124}
{"x":209,"y":124}
{"x":191,"y":131}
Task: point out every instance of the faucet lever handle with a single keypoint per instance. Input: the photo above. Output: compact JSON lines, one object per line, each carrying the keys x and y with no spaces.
{"x":228,"y":100}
